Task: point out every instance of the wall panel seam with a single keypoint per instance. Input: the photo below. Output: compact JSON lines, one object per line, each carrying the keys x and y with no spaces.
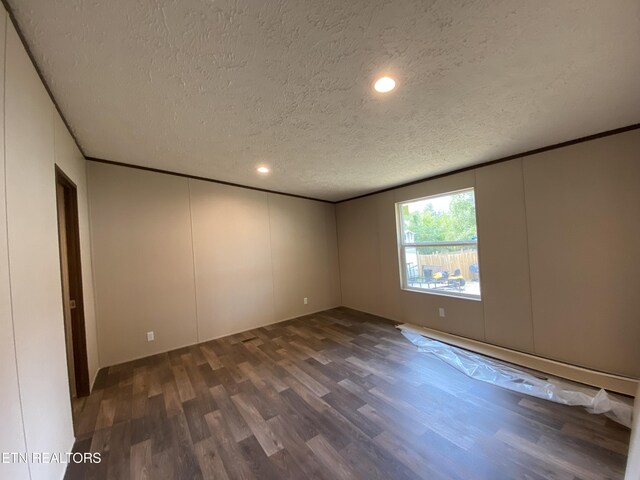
{"x":338,"y":254}
{"x":93,"y":276}
{"x":379,"y":286}
{"x":526,"y":226}
{"x":337,"y":244}
{"x":193,"y":259}
{"x":479,"y":247}
{"x":273,"y":276}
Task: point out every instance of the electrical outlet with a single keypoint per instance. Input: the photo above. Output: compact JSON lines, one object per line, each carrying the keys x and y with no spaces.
{"x":151,"y":336}
{"x":441,"y":310}
{"x":305,"y":300}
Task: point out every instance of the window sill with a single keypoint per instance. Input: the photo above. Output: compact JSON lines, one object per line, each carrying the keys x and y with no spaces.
{"x":441,"y":293}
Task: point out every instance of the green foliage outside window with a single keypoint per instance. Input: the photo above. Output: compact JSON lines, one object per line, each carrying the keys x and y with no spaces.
{"x":458,"y":223}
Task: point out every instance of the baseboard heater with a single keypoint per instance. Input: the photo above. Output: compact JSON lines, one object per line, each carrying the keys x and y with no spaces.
{"x":519,"y":373}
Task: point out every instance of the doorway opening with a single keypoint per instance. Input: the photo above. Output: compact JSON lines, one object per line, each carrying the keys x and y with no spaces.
{"x":72,"y":297}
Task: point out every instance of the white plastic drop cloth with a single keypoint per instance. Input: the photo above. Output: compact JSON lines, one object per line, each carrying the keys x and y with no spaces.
{"x":508,"y":376}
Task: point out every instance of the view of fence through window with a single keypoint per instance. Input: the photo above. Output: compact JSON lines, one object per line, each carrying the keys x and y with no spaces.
{"x":439,"y":244}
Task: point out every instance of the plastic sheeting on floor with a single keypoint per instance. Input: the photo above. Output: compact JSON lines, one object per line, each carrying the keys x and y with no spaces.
{"x":510,"y":377}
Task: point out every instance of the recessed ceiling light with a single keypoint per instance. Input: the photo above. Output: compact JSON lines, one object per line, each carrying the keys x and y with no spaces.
{"x":263,"y":169}
{"x":384,"y":84}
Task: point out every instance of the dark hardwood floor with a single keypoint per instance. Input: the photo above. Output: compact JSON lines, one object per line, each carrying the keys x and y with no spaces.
{"x":334,"y":395}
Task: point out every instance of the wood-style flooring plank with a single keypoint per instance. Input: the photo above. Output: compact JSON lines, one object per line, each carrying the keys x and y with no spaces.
{"x":140,"y":466}
{"x":337,"y":394}
{"x":331,"y":459}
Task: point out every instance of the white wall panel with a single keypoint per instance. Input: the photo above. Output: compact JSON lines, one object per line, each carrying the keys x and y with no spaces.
{"x":34,"y":261}
{"x":11,"y":432}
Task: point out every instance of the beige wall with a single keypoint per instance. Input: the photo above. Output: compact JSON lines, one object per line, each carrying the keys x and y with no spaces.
{"x":583,"y":216}
{"x":194,"y":260}
{"x":232,"y":251}
{"x":558,"y":255}
{"x":141,"y":238}
{"x":35,"y":390}
{"x":304,"y":255}
{"x":502,"y":226}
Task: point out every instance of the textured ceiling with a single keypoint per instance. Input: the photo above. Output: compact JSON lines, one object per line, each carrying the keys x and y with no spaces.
{"x":213,"y":88}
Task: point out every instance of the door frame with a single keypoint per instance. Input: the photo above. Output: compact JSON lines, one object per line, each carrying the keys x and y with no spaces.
{"x":78,"y":331}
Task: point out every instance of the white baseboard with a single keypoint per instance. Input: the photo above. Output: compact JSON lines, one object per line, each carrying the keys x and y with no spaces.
{"x":608,"y":381}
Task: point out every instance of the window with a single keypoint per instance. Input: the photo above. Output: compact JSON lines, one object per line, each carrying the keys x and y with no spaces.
{"x":438,"y":242}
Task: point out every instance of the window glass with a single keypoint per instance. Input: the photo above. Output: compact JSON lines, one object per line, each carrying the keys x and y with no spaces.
{"x":438,"y":242}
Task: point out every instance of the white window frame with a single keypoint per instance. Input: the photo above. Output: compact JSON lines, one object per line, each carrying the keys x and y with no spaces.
{"x":404,"y":284}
